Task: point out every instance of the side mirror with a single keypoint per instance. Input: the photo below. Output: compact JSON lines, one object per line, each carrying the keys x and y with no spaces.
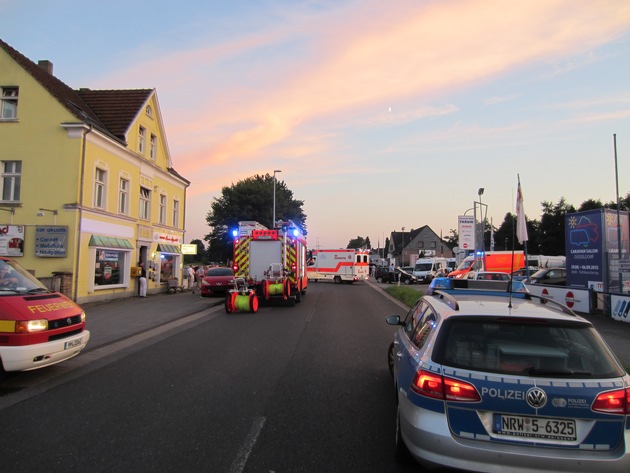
{"x":393,"y":320}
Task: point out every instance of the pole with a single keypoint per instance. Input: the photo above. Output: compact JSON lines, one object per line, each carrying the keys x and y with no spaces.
{"x":273,"y":221}
{"x":619,"y":252}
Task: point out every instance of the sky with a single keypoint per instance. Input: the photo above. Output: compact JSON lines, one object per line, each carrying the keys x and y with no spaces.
{"x":380,"y":115}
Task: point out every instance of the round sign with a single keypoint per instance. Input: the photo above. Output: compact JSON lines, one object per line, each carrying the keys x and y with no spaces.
{"x":545,"y":292}
{"x":570,"y":299}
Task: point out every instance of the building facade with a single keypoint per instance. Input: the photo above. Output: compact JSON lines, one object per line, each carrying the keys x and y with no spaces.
{"x":404,"y":248}
{"x":88,"y":189}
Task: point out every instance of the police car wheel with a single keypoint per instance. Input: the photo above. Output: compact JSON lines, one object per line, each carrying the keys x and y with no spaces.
{"x":402,"y":452}
{"x":390,"y":358}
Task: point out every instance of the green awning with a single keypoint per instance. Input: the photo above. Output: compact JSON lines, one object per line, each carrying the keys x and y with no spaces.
{"x":168,"y":248}
{"x":110,"y":242}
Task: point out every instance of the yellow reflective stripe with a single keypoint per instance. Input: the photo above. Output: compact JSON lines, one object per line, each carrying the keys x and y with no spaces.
{"x":7,"y":326}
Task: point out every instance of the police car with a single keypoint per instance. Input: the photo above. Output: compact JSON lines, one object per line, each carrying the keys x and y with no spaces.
{"x":495,"y":380}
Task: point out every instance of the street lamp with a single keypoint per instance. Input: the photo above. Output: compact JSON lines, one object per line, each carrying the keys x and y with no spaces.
{"x":273,"y":222}
{"x":482,"y":218}
{"x":42,"y":212}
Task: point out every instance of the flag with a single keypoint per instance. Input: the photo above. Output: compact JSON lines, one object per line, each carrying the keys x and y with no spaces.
{"x":521,"y":225}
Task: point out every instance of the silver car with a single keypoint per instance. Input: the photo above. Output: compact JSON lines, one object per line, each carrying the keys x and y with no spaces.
{"x":494,"y":381}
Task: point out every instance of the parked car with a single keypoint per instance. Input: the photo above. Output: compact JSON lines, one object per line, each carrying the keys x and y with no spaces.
{"x":486,"y":385}
{"x":552,"y":276}
{"x":488,"y":276}
{"x":217,"y":281}
{"x":387,"y":275}
{"x":522,"y":274}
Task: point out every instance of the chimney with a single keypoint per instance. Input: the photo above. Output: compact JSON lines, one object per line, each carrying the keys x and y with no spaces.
{"x":46,"y":65}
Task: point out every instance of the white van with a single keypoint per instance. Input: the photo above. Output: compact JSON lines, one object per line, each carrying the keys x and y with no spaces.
{"x":426,"y":268}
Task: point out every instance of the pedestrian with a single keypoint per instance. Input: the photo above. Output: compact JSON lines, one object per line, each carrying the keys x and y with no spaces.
{"x":190,"y":275}
{"x":142,"y":280}
{"x":200,"y":273}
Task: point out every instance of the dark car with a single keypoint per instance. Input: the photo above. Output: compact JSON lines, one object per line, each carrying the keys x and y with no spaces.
{"x":552,"y":276}
{"x":387,"y":275}
{"x":217,"y":281}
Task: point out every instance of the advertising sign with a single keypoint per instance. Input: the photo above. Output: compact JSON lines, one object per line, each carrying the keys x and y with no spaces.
{"x":584,"y":240}
{"x":51,"y":241}
{"x":466,"y":232}
{"x":11,"y":240}
{"x":189,"y":249}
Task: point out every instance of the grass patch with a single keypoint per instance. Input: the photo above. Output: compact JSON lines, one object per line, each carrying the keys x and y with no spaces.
{"x":405,"y":294}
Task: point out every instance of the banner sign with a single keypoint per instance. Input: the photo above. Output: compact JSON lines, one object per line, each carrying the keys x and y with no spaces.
{"x":11,"y":240}
{"x":51,"y":241}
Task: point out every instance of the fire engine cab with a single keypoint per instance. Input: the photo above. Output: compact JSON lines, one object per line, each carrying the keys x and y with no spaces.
{"x":339,"y":265}
{"x":273,"y":262}
{"x":38,"y":327}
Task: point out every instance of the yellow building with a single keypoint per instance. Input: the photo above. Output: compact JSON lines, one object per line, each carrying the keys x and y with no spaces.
{"x":88,"y":188}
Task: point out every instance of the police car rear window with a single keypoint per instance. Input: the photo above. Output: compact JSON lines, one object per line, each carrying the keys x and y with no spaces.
{"x":525,"y":346}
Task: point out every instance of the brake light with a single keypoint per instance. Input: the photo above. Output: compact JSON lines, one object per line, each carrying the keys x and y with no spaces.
{"x":613,"y":402}
{"x":445,"y":388}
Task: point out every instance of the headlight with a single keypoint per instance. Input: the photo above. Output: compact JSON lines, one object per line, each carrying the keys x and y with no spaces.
{"x":29,"y":326}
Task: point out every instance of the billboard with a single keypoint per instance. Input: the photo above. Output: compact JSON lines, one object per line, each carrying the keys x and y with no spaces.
{"x":11,"y":240}
{"x":466,"y":232}
{"x":589,"y":236}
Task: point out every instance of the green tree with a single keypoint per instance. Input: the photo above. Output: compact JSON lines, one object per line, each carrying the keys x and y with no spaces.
{"x":249,"y":199}
{"x":551,"y":230}
{"x":200,"y":257}
{"x":359,"y":242}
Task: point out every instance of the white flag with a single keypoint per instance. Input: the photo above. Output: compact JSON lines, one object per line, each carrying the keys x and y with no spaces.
{"x":521,"y":225}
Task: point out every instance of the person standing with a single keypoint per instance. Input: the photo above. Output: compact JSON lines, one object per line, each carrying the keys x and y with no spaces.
{"x":190,"y":275}
{"x":142,"y":280}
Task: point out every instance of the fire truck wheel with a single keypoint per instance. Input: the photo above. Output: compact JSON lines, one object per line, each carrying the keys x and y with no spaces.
{"x":287,"y":289}
{"x":298,"y":295}
{"x":253,"y":303}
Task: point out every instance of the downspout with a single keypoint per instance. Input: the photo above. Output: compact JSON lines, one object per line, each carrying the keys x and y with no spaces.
{"x":75,"y":288}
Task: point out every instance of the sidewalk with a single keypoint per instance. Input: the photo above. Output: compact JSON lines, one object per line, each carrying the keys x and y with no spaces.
{"x":115,"y":320}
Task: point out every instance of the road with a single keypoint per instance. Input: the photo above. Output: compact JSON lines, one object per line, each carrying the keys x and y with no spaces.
{"x":301,"y":389}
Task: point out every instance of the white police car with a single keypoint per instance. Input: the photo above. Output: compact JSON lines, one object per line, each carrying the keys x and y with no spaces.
{"x":496,"y":382}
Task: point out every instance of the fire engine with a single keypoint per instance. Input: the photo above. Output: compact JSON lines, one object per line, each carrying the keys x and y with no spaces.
{"x":339,"y":265}
{"x":272,"y":261}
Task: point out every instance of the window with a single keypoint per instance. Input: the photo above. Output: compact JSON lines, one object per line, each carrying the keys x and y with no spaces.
{"x":145,"y":203}
{"x":175,"y":213}
{"x":153,"y":150}
{"x":123,"y":196}
{"x":11,"y":180}
{"x":149,"y":111}
{"x":8,"y":107}
{"x":162,"y":209}
{"x":100,"y":185}
{"x":109,"y":267}
{"x":142,"y":137}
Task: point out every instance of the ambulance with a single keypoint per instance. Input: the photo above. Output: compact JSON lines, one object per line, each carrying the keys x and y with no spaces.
{"x":347,"y":265}
{"x":38,"y":327}
{"x":271,"y":261}
{"x":503,"y":261}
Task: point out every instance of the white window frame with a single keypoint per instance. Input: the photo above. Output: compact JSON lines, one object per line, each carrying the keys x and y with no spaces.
{"x":11,"y":181}
{"x":142,"y":138}
{"x":9,"y":102}
{"x":123,"y":196}
{"x":100,"y":188}
{"x":145,"y":204}
{"x":175,"y":213}
{"x":153,"y":147}
{"x":162,"y":209}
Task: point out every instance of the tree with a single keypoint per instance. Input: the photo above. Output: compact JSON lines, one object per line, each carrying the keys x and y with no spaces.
{"x":551,"y":230}
{"x":359,"y":242}
{"x":249,"y":199}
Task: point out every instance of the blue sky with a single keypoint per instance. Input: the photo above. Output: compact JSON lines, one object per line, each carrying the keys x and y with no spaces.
{"x":381,"y":115}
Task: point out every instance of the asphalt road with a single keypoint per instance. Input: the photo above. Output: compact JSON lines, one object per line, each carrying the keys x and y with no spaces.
{"x":301,"y":389}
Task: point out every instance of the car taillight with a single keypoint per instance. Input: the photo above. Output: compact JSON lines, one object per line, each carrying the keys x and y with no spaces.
{"x":445,"y":388}
{"x":613,"y":402}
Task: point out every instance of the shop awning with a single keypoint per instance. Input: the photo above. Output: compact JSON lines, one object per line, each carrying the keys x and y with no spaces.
{"x":168,"y":248}
{"x":110,"y":242}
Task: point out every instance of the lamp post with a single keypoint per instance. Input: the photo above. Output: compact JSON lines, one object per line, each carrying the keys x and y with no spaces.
{"x":273,"y":222}
{"x":482,"y":219}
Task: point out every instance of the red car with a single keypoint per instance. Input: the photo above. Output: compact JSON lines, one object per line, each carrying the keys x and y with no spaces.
{"x":217,"y":281}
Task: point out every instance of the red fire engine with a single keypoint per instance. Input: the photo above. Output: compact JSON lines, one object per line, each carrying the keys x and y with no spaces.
{"x":272,"y":262}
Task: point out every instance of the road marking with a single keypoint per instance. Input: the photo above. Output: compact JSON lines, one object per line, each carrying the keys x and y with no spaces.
{"x":243,"y":454}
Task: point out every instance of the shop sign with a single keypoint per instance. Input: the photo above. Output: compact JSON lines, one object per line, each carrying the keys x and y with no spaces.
{"x":11,"y":240}
{"x":51,"y":241}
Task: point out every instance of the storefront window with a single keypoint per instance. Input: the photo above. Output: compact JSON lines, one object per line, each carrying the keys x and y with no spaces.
{"x":167,"y":264}
{"x":109,"y":267}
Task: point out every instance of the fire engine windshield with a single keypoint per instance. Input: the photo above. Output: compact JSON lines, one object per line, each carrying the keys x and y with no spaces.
{"x":14,"y":278}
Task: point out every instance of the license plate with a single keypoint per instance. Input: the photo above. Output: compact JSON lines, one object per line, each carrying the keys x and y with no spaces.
{"x":73,"y":344}
{"x":535,"y":427}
